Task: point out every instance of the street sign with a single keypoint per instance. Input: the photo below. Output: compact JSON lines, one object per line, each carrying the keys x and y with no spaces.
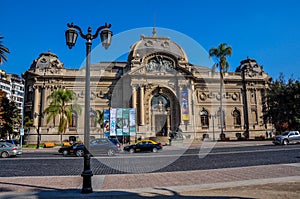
{"x":21,"y":131}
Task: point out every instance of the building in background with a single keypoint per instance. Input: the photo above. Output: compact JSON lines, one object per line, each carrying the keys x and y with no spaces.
{"x":13,"y":85}
{"x":169,"y":94}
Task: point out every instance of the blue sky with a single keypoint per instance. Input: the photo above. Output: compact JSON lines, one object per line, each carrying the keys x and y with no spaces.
{"x":264,"y":30}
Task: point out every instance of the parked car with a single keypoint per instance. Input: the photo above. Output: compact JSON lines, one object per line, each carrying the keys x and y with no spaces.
{"x":98,"y":146}
{"x":144,"y":146}
{"x":7,"y":150}
{"x":287,"y":137}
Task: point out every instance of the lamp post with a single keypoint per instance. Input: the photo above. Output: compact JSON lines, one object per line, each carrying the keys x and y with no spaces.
{"x":71,"y":37}
{"x":246,"y":119}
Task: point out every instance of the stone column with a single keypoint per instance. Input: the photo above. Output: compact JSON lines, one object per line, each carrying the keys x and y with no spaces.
{"x":44,"y":105}
{"x":36,"y":106}
{"x":142,"y":112}
{"x":133,"y":97}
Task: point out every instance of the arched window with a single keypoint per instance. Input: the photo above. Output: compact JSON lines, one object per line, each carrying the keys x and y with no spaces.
{"x":73,"y":122}
{"x":204,"y":118}
{"x":236,"y":118}
{"x":93,"y":119}
{"x":219,"y":118}
{"x":160,"y":101}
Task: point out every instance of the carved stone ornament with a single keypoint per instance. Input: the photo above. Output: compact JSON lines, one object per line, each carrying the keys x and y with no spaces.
{"x":165,"y":44}
{"x":159,"y":64}
{"x":234,"y":96}
{"x":149,"y":43}
{"x":202,"y":96}
{"x":218,"y":96}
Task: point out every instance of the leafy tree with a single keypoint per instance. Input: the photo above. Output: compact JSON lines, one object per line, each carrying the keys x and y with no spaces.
{"x":10,"y":118}
{"x":220,"y":54}
{"x":28,"y":123}
{"x":3,"y":51}
{"x":283,"y":99}
{"x":2,"y":95}
{"x":61,"y":105}
{"x":100,"y":118}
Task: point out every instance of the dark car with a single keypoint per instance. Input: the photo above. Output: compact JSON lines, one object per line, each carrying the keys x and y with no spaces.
{"x":143,"y":146}
{"x":98,"y":146}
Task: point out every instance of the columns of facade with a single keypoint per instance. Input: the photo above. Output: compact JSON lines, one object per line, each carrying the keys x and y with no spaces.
{"x":142,"y":112}
{"x":36,"y":106}
{"x":134,"y":97}
{"x":169,"y":121}
{"x":44,"y":104}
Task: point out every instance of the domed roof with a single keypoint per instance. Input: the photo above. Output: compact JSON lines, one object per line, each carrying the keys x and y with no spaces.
{"x":47,"y":60}
{"x":156,"y":44}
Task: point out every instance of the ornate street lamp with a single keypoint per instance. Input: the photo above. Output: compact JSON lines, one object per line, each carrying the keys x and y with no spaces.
{"x":71,"y":37}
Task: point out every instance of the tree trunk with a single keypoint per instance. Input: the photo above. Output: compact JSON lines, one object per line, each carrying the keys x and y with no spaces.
{"x":221,"y":102}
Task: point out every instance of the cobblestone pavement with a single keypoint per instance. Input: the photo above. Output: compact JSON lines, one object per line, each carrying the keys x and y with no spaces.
{"x":272,"y":181}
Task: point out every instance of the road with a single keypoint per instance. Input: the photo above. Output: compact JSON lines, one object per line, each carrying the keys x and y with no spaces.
{"x":53,"y":164}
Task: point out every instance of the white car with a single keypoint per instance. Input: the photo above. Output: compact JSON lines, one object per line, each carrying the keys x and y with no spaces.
{"x":287,"y":137}
{"x":7,"y":149}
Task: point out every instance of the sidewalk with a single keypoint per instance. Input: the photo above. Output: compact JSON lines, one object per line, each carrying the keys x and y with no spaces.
{"x":272,"y":181}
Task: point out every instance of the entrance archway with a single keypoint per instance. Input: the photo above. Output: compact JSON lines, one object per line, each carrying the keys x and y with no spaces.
{"x":164,"y":112}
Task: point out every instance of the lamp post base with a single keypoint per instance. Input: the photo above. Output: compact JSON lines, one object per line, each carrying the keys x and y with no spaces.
{"x":87,"y":176}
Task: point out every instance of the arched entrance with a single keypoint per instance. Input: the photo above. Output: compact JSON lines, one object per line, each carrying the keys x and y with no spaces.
{"x":164,"y":112}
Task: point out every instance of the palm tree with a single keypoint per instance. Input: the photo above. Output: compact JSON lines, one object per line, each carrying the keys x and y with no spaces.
{"x":220,"y":53}
{"x":3,"y":51}
{"x":61,"y":105}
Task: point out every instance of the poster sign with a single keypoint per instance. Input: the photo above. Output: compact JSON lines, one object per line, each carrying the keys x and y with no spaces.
{"x":132,"y":123}
{"x":122,"y":122}
{"x":125,"y":121}
{"x":184,"y":105}
{"x":106,"y":117}
{"x":119,"y":126}
{"x":113,"y":113}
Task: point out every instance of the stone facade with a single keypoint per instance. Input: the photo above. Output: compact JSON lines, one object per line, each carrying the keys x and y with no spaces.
{"x":168,"y":92}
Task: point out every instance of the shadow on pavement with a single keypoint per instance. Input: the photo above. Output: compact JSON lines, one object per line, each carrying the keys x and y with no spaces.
{"x":167,"y":194}
{"x":42,"y":192}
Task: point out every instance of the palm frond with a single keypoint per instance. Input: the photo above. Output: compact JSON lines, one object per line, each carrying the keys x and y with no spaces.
{"x":3,"y":51}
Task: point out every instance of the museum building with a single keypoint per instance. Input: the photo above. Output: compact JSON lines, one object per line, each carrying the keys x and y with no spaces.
{"x":168,"y":93}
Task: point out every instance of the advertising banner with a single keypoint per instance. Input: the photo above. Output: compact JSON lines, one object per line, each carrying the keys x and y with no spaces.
{"x":119,"y":126}
{"x":185,"y":105}
{"x":132,"y":123}
{"x":106,"y":118}
{"x":126,"y":121}
{"x":113,"y":113}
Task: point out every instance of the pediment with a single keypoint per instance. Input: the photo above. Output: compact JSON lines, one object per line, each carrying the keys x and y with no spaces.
{"x":159,"y":65}
{"x":143,"y":70}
